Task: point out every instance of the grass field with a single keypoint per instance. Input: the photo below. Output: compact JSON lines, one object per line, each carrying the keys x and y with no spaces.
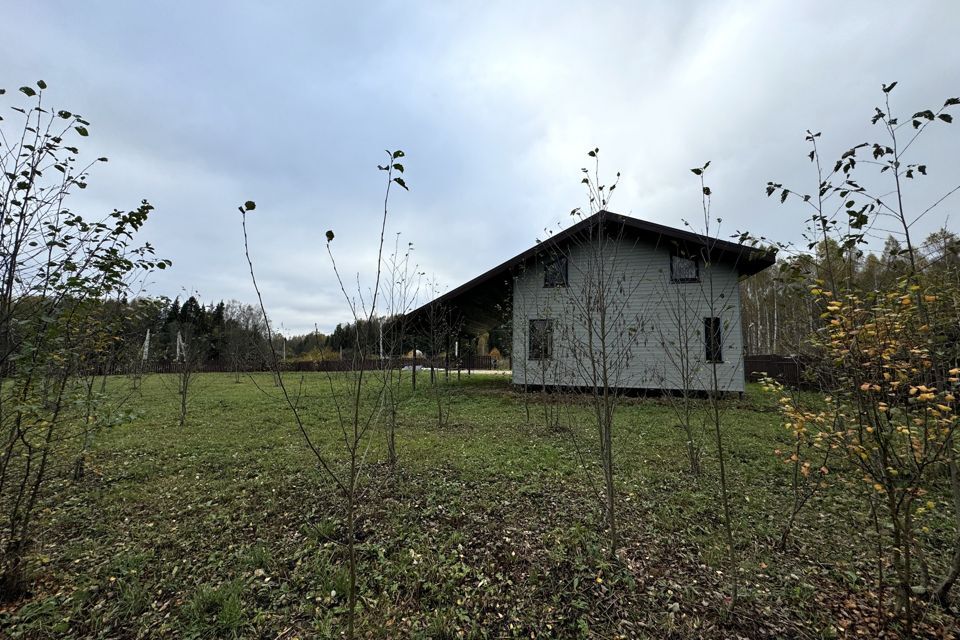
{"x":488,"y":527}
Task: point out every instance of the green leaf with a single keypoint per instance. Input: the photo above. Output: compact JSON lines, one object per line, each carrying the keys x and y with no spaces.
{"x":946,"y":117}
{"x":82,"y":131}
{"x":706,"y":191}
{"x":249,"y":205}
{"x":696,"y":172}
{"x":329,"y":235}
{"x":398,"y":167}
{"x":887,"y":88}
{"x":400,"y":182}
{"x":28,"y":91}
{"x":41,"y":84}
{"x":398,"y":154}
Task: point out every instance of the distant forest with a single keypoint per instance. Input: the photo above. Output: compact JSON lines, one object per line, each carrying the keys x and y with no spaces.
{"x":233,"y":336}
{"x":777,"y":315}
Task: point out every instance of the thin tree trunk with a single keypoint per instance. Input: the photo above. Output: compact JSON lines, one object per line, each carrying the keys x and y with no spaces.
{"x":875,"y":517}
{"x":351,"y":550}
{"x":943,"y":590}
{"x":727,"y":522}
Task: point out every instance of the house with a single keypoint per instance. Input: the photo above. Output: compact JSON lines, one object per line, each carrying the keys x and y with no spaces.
{"x":615,"y":301}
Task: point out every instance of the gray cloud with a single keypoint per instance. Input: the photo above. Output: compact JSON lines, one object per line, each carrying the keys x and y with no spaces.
{"x":201,"y":106}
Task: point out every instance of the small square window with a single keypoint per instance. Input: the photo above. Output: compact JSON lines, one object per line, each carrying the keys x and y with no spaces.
{"x":684,"y":269}
{"x":541,"y":340}
{"x":713,"y":339}
{"x":555,"y":272}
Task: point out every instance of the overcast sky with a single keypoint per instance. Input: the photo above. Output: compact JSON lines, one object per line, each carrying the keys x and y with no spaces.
{"x":202,"y":105}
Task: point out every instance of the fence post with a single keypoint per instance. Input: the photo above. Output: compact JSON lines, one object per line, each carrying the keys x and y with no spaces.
{"x":470,"y":358}
{"x":446,"y":360}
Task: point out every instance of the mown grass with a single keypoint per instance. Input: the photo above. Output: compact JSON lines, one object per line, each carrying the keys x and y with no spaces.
{"x":487,"y":528}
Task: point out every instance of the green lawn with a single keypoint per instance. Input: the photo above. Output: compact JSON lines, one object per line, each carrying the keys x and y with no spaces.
{"x":488,"y":527}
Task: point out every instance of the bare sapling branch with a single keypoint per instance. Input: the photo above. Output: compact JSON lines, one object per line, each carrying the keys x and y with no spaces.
{"x":359,"y":405}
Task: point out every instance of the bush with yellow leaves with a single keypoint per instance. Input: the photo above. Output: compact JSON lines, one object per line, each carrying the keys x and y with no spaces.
{"x":889,"y":413}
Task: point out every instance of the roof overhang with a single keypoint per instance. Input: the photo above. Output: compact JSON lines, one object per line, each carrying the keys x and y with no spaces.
{"x":483,"y":302}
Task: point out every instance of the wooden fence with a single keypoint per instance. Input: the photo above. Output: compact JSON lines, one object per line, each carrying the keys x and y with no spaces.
{"x":464,"y":363}
{"x":788,"y":370}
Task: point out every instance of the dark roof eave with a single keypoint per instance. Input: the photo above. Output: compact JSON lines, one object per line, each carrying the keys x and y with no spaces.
{"x":757,"y":259}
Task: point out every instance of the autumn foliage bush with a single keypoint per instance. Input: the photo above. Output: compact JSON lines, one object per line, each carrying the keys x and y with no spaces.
{"x":888,"y":416}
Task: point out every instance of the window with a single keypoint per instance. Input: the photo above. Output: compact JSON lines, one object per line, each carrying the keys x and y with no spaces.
{"x":541,"y":340}
{"x":684,"y":269}
{"x":713,"y":339}
{"x":555,"y":272}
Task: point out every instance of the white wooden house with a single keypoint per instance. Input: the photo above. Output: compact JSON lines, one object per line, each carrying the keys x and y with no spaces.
{"x":645,"y":305}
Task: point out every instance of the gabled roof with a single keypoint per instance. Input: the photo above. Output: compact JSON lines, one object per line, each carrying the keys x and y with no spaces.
{"x":480,"y":302}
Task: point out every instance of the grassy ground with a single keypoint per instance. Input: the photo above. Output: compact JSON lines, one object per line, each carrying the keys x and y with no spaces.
{"x":487,"y":528}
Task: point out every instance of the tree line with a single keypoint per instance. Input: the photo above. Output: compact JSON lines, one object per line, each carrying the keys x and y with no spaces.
{"x":778,"y":314}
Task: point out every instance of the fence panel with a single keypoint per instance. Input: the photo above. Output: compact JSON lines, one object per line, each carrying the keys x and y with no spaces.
{"x":788,"y":370}
{"x":465,"y":363}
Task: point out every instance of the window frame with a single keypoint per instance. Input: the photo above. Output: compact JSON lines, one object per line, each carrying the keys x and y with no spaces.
{"x":696,"y":268}
{"x":713,"y":339}
{"x":564,"y":272}
{"x":544,"y":348}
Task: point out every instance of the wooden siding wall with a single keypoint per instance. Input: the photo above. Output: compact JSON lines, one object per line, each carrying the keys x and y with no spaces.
{"x":656,"y":310}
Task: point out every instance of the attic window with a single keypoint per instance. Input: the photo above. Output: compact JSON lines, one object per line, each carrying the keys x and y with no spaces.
{"x":684,"y":269}
{"x":555,"y":272}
